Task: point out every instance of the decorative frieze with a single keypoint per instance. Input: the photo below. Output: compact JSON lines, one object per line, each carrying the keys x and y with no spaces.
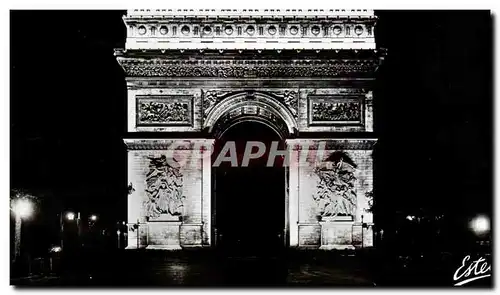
{"x":168,"y":144}
{"x":158,"y":67}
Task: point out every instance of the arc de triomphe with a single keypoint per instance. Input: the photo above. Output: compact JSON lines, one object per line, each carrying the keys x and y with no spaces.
{"x":304,"y":75}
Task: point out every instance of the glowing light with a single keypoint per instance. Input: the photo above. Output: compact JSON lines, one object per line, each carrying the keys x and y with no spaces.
{"x":93,"y":217}
{"x":480,"y":224}
{"x":70,"y":216}
{"x":23,"y":208}
{"x":410,"y":217}
{"x":56,"y":249}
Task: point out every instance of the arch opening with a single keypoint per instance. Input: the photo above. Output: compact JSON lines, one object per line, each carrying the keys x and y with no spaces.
{"x":249,"y":200}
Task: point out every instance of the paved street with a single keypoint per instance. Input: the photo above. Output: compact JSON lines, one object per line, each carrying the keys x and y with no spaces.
{"x":208,"y":268}
{"x":156,"y":268}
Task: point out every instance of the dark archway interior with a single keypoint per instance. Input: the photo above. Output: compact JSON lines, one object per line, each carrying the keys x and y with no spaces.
{"x":249,"y":203}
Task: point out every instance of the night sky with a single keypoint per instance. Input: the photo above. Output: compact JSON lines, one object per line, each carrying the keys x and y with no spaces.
{"x":433,"y":112}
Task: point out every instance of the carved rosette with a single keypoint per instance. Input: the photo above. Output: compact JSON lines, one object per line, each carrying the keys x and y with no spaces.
{"x":163,"y":188}
{"x":336,"y":192}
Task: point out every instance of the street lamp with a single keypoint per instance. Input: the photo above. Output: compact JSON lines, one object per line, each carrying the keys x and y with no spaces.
{"x":362,"y":233}
{"x":480,"y":224}
{"x":93,"y":217}
{"x":22,"y":208}
{"x":56,"y":249}
{"x":118,"y":233}
{"x":70,"y":216}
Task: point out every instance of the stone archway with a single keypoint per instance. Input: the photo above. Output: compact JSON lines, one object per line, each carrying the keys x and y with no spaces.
{"x":312,"y":89}
{"x":249,"y":212}
{"x":258,"y":106}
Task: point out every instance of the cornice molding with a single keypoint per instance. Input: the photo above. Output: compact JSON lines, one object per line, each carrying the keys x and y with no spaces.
{"x":298,"y":144}
{"x":254,"y":13}
{"x":251,"y":53}
{"x":295,"y":144}
{"x":173,"y":29}
{"x":167,"y":144}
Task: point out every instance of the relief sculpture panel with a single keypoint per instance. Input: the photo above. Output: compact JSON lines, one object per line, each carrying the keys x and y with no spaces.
{"x":336,"y":191}
{"x":335,"y":110}
{"x":164,"y":190}
{"x":164,"y":110}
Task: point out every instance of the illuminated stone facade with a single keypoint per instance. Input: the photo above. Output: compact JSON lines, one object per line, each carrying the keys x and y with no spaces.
{"x":306,"y":74}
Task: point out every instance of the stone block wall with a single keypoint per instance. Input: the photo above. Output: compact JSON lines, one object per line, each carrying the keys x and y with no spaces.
{"x":172,"y":209}
{"x":317,"y":221}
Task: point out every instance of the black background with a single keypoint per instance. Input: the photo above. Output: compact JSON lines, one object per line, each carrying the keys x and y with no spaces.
{"x":433,"y":114}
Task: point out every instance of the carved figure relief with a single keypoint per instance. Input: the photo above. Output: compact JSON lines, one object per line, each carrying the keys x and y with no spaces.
{"x":210,"y":99}
{"x":164,"y":110}
{"x":163,"y":188}
{"x":290,"y":99}
{"x":336,"y":111}
{"x":151,"y":112}
{"x":335,"y":192}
